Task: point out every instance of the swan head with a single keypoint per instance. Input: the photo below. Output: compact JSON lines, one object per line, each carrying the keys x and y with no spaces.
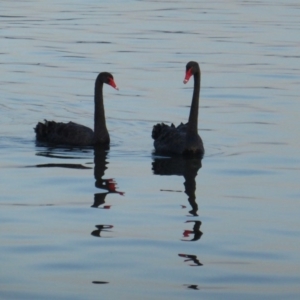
{"x":107,"y":78}
{"x":192,"y":67}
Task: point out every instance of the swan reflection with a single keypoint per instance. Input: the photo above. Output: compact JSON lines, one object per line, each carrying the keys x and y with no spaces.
{"x":188,"y":168}
{"x":181,"y":166}
{"x":191,"y":258}
{"x":100,"y":282}
{"x":100,"y":160}
{"x":196,"y":231}
{"x":100,"y":229}
{"x":192,"y":286}
{"x":73,"y":153}
{"x":62,"y":153}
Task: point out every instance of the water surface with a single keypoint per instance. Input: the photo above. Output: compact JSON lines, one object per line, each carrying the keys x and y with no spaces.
{"x":82,"y":222}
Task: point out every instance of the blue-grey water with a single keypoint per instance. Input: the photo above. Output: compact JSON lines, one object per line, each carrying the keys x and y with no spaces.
{"x":123,"y":224}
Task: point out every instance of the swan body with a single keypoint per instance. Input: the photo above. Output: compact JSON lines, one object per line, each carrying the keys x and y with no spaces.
{"x":183,"y":139}
{"x":76,"y":134}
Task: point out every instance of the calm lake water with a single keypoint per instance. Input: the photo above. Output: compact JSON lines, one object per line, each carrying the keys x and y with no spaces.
{"x":124,"y":224}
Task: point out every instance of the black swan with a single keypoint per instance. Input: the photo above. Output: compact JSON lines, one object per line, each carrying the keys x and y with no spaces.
{"x":183,"y":139}
{"x":75,"y":134}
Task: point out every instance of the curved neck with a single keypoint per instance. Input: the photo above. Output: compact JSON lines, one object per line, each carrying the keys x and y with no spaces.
{"x":193,"y":118}
{"x":100,"y":131}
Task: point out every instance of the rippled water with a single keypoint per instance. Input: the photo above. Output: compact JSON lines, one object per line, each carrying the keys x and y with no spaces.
{"x":124,"y":224}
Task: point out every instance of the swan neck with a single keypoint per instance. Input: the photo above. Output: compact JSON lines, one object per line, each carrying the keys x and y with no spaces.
{"x":100,"y":130}
{"x":193,"y":118}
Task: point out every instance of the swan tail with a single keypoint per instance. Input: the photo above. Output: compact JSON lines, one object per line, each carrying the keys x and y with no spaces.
{"x":157,"y":130}
{"x":42,"y":130}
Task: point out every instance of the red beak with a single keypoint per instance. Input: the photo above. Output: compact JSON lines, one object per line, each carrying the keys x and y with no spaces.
{"x":188,"y":75}
{"x":113,"y":84}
